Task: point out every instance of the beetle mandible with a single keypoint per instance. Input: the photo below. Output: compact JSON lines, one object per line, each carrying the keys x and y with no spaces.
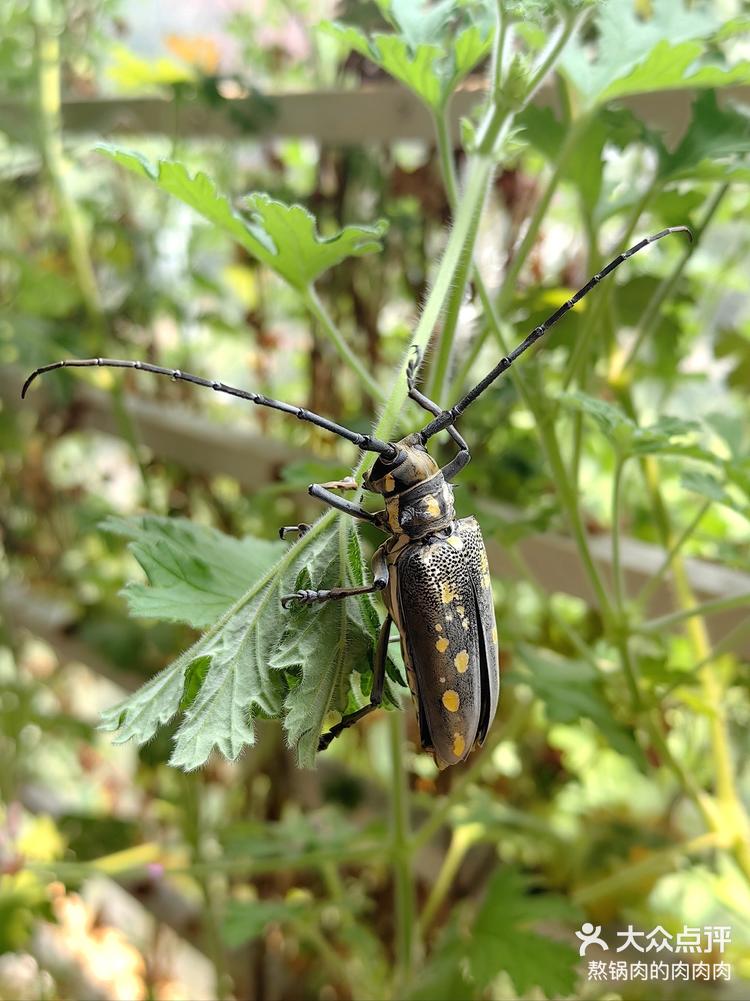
{"x":432,"y":570}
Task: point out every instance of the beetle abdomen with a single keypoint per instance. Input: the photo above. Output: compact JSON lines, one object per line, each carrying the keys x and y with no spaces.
{"x":449,"y":638}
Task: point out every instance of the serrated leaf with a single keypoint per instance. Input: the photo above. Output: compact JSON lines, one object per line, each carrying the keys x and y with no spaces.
{"x":503,"y":939}
{"x":195,"y":572}
{"x":236,"y":665}
{"x":283,"y":237}
{"x":572,"y":690}
{"x":634,"y":53}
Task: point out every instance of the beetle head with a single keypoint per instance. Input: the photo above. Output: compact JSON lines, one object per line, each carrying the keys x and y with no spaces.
{"x":413,"y":464}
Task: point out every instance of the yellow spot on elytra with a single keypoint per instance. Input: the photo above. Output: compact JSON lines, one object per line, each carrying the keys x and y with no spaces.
{"x":442,"y":645}
{"x":451,"y":700}
{"x":465,"y":623}
{"x":459,"y":744}
{"x":449,"y":618}
{"x":455,"y":542}
{"x":438,"y":627}
{"x":442,"y":680}
{"x":461,"y":610}
{"x":461,"y":660}
{"x":389,"y":482}
{"x":447,"y":593}
{"x":432,"y":507}
{"x":494,"y":635}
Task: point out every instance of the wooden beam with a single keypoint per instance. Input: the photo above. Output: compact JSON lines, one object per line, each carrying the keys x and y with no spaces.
{"x":371,"y":114}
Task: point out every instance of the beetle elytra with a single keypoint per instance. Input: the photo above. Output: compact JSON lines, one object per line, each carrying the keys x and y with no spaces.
{"x":432,"y":570}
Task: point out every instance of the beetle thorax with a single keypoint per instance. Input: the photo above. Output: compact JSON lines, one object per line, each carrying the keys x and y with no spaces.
{"x":424,"y":508}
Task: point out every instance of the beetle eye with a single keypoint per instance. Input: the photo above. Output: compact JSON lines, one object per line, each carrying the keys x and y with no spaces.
{"x":397,"y":459}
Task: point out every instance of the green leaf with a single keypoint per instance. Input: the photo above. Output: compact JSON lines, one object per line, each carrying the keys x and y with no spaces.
{"x":246,"y":920}
{"x":572,"y":690}
{"x":418,"y":22}
{"x":636,"y":53}
{"x":427,"y":60}
{"x":195,"y":572}
{"x":283,"y":237}
{"x":663,"y":437}
{"x":259,"y":659}
{"x":705,"y":485}
{"x":668,"y":67}
{"x":503,"y":939}
{"x":713,"y":134}
{"x":584,"y":166}
{"x":339,"y":629}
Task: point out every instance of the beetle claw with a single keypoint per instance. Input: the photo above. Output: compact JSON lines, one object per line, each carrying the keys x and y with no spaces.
{"x":413,"y":366}
{"x":302,"y":529}
{"x":304,"y":597}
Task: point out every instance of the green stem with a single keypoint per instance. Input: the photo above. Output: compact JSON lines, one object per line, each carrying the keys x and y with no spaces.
{"x":620,"y":883}
{"x":594,"y":314}
{"x":318,"y":310}
{"x":462,"y":839}
{"x":47,"y":64}
{"x":667,"y":286}
{"x":651,"y":586}
{"x":439,"y":370}
{"x":616,"y":518}
{"x":702,"y":610}
{"x":405,"y":905}
{"x":193,"y":820}
{"x":725,"y":646}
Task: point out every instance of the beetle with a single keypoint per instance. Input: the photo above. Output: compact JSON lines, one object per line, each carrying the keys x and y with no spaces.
{"x":432,"y":570}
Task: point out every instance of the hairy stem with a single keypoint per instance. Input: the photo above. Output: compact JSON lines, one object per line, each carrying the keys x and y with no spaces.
{"x":334,"y":335}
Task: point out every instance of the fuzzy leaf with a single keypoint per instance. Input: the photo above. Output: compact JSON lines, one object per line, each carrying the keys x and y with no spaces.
{"x":253,"y":662}
{"x":195,"y":572}
{"x":339,"y":629}
{"x":283,"y":237}
{"x":572,"y":690}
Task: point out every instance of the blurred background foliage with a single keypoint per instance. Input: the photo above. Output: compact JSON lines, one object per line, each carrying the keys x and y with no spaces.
{"x":615,"y":785}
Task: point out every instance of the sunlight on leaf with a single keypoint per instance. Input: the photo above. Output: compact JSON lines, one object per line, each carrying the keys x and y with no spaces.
{"x":195,"y":572}
{"x":283,"y":237}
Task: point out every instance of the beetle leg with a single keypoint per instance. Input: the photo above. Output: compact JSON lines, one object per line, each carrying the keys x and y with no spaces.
{"x":376,"y":695}
{"x":302,"y":529}
{"x":340,"y":503}
{"x":308,"y":597}
{"x":452,"y":468}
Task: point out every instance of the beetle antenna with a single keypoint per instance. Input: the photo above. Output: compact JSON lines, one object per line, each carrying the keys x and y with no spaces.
{"x":364,"y":441}
{"x":449,"y":417}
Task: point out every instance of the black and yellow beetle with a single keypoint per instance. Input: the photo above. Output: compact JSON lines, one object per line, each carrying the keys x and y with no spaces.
{"x":433,"y":569}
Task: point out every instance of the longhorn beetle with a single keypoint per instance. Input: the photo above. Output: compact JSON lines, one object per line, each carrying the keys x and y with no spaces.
{"x":432,"y":570}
